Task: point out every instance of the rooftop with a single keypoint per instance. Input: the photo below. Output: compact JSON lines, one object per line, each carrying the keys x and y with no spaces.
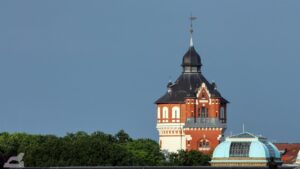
{"x":289,"y":151}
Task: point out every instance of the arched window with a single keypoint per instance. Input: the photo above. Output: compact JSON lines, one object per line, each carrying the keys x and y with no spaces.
{"x":175,"y":114}
{"x":203,"y":144}
{"x":222,"y":114}
{"x":158,"y":113}
{"x":165,"y":114}
{"x":204,"y":112}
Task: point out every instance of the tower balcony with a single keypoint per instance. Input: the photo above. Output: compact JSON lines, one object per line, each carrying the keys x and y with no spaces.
{"x":205,"y":123}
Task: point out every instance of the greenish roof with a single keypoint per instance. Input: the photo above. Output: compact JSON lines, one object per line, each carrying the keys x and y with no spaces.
{"x":246,"y":145}
{"x":244,"y":135}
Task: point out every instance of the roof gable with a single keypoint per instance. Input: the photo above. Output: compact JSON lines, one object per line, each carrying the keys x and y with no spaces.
{"x":244,"y":135}
{"x":186,"y":86}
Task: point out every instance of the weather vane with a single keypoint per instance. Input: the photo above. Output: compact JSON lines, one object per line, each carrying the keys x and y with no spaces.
{"x":191,"y":26}
{"x":191,"y":30}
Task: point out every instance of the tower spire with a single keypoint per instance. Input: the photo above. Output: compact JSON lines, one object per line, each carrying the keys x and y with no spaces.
{"x":191,"y":30}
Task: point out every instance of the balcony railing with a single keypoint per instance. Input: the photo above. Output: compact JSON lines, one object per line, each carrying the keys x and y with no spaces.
{"x":204,"y":123}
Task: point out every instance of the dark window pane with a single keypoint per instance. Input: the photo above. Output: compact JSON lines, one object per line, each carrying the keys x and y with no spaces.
{"x":203,"y":144}
{"x":204,"y":112}
{"x":239,"y":149}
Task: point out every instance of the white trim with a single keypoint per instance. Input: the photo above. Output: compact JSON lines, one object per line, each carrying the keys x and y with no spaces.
{"x":165,"y":114}
{"x":204,"y":149}
{"x":188,"y":137}
{"x":173,"y":143}
{"x":171,"y":125}
{"x":219,"y":137}
{"x":175,"y":112}
{"x":160,"y":126}
{"x":158,"y":112}
{"x":203,"y":86}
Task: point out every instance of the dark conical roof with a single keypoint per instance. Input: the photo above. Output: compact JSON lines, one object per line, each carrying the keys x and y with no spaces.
{"x":191,"y":58}
{"x":189,"y":81}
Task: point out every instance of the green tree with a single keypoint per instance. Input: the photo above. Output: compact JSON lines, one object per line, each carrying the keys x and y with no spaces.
{"x":122,"y":137}
{"x":188,"y":158}
{"x":95,"y":149}
{"x":145,"y":152}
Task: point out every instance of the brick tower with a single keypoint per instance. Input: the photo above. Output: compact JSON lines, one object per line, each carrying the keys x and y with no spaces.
{"x":192,"y":114}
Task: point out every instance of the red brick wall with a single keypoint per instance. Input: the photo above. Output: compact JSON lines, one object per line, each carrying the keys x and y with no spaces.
{"x":182,"y":107}
{"x":198,"y":135}
{"x":190,"y":109}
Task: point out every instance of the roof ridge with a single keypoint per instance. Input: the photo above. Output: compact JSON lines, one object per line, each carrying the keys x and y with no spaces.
{"x":243,"y":134}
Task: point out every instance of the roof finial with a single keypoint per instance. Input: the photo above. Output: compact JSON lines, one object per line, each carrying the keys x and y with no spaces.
{"x":170,"y":78}
{"x":243,"y":128}
{"x":191,"y":29}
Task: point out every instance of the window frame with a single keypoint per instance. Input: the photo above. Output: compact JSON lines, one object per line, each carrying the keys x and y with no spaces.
{"x":239,"y":149}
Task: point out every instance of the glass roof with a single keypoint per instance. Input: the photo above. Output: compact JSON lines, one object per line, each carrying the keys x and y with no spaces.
{"x":239,"y":149}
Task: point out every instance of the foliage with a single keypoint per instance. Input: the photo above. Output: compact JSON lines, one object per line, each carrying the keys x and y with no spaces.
{"x":145,"y":152}
{"x":188,"y":158}
{"x":95,"y":149}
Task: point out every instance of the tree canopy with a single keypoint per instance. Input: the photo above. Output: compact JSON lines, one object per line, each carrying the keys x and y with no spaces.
{"x":95,"y":149}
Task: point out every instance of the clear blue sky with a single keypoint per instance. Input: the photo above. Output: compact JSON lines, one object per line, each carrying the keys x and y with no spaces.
{"x":100,"y":65}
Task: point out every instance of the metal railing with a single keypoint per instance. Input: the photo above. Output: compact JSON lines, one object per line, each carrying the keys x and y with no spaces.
{"x":204,"y":123}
